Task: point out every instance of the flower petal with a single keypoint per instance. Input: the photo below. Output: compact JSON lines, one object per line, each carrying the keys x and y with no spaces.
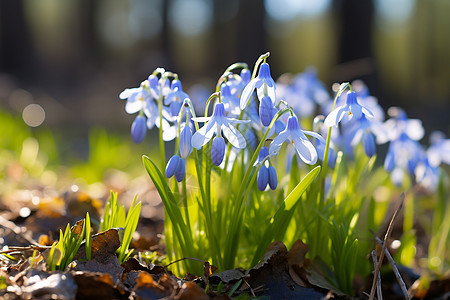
{"x":204,"y":134}
{"x":247,"y":93}
{"x":315,"y":135}
{"x":128,"y":92}
{"x":305,"y":149}
{"x":201,"y":119}
{"x":334,"y":117}
{"x":233,"y":136}
{"x":275,"y":146}
{"x":133,"y":104}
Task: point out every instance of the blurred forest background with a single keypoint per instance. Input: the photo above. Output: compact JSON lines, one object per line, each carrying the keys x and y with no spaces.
{"x":74,"y":57}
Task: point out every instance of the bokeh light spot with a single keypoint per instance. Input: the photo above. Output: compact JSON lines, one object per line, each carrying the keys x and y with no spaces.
{"x":191,"y":17}
{"x":287,"y":10}
{"x":33,"y":115}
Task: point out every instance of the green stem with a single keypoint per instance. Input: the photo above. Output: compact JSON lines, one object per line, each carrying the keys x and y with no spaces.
{"x":161,"y":141}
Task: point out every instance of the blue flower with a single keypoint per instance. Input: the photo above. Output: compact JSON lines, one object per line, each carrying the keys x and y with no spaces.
{"x":175,"y":166}
{"x":229,"y":100}
{"x":399,"y":124}
{"x":266,"y":110}
{"x":136,"y":98}
{"x":267,"y":174}
{"x":138,"y":129}
{"x":365,"y":129}
{"x":151,"y":112}
{"x":218,"y":123}
{"x":295,"y":135}
{"x":427,"y":175}
{"x":185,"y":141}
{"x":264,"y":84}
{"x":320,"y":147}
{"x":403,"y":155}
{"x":439,"y":151}
{"x":217,"y":150}
{"x":175,"y":98}
{"x":262,"y":179}
{"x":351,"y":108}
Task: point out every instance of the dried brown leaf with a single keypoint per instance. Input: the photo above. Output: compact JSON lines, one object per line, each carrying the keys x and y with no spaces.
{"x":296,"y":259}
{"x":191,"y":291}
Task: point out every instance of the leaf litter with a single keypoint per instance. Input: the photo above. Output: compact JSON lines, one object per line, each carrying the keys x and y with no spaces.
{"x":280,"y":274}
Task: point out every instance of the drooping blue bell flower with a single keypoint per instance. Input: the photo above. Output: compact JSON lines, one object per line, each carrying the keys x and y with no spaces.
{"x":175,"y":166}
{"x":351,"y":108}
{"x":264,"y":85}
{"x":139,"y":129}
{"x":172,"y":165}
{"x":266,"y":111}
{"x":273,"y":179}
{"x":216,"y":123}
{"x":262,"y":178}
{"x":295,"y":135}
{"x":217,"y":150}
{"x":185,"y":141}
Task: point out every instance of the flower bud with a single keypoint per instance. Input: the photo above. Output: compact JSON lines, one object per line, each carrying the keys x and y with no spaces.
{"x":389,"y":162}
{"x":139,"y":129}
{"x":369,"y":144}
{"x":273,"y":179}
{"x":265,"y":110}
{"x":172,"y":165}
{"x":246,"y":75}
{"x":262,"y":178}
{"x":185,"y":141}
{"x":179,"y":173}
{"x":217,"y":150}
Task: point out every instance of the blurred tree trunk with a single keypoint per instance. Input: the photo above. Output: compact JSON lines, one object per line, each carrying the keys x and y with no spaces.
{"x":16,"y":49}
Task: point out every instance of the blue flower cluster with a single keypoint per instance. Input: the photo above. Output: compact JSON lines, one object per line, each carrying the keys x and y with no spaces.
{"x":244,"y":109}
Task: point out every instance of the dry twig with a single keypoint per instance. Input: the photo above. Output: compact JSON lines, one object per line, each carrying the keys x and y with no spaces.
{"x":375,"y":263}
{"x":394,"y":268}
{"x":383,"y":248}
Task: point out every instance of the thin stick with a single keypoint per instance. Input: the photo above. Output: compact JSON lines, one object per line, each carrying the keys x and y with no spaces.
{"x":21,"y":249}
{"x":383,"y":248}
{"x":394,"y":268}
{"x":375,"y":264}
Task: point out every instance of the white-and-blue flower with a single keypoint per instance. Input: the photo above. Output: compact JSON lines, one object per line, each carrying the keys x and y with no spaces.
{"x":292,"y":133}
{"x":264,"y":84}
{"x":351,"y":109}
{"x":216,"y":124}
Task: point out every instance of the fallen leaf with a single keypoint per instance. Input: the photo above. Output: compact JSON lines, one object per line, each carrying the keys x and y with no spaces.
{"x":228,"y":276}
{"x":191,"y":291}
{"x":103,"y":244}
{"x":270,"y":277}
{"x":43,"y":285}
{"x":296,"y":259}
{"x":108,"y":264}
{"x":92,"y":285}
{"x":146,"y":288}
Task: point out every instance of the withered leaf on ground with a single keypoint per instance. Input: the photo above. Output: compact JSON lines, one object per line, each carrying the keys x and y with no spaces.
{"x":147,"y":288}
{"x":191,"y":291}
{"x":92,"y":285}
{"x":132,"y":264}
{"x":320,"y":275}
{"x":228,"y":276}
{"x":103,"y":244}
{"x":271,"y":278}
{"x":296,"y":259}
{"x":45,"y":285}
{"x":108,"y":264}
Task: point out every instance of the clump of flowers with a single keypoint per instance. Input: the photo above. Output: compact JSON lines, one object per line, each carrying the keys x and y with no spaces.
{"x":233,"y":192}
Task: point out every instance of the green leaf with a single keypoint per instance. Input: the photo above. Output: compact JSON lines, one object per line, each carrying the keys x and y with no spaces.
{"x":170,"y":204}
{"x":88,"y":237}
{"x":279,"y":222}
